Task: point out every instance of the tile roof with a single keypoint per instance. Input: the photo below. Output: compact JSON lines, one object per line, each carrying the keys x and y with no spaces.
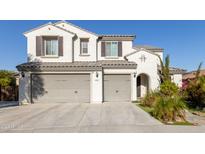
{"x":192,"y":74}
{"x":116,"y":35}
{"x":76,"y":66}
{"x":174,"y":70}
{"x":140,"y":49}
{"x":47,"y":25}
{"x":63,"y":21}
{"x":55,"y":25}
{"x":149,"y":47}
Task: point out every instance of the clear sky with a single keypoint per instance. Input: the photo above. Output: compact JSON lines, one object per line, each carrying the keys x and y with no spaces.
{"x":184,"y":41}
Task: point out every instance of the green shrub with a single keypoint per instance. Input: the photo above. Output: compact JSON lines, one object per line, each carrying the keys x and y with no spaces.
{"x":6,"y":78}
{"x":168,"y":88}
{"x":195,"y":93}
{"x":150,"y":99}
{"x":169,"y":109}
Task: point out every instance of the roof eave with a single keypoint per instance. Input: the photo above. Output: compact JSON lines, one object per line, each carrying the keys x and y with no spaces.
{"x":33,"y":29}
{"x":54,"y":66}
{"x":138,"y":50}
{"x":116,"y":37}
{"x":63,"y":21}
{"x":27,"y":32}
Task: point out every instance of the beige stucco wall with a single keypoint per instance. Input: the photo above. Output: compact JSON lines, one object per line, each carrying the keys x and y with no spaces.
{"x":71,"y":45}
{"x":24,"y":89}
{"x":82,"y":34}
{"x":49,"y":30}
{"x":148,"y":67}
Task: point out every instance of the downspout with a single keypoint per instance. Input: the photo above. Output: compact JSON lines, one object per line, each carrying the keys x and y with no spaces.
{"x":97,"y":49}
{"x":73,"y":48}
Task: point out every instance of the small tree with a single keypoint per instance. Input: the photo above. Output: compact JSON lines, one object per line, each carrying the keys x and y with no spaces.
{"x":165,"y":75}
{"x":195,"y":90}
{"x":170,"y":105}
{"x":167,"y":87}
{"x":6,"y":79}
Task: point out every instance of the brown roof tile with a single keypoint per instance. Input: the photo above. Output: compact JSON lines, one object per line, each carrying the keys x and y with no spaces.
{"x":149,"y":47}
{"x":192,"y":74}
{"x":75,"y":66}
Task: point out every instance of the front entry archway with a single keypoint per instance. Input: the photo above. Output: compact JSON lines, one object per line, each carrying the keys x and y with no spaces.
{"x":142,"y":85}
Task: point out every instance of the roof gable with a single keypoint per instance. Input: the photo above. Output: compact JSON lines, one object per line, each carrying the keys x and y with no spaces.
{"x":141,"y":49}
{"x":149,"y":47}
{"x":48,"y":24}
{"x":70,"y":24}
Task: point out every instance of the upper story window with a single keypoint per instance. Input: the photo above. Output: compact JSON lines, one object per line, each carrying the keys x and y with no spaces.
{"x":111,"y":49}
{"x":84,"y":46}
{"x":50,"y":46}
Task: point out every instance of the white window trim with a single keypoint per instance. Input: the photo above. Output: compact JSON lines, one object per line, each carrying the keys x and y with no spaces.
{"x":46,"y":55}
{"x":110,"y":57}
{"x":81,"y":49}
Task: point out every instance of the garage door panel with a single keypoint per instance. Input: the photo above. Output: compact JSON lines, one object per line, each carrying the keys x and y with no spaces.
{"x":117,"y":88}
{"x":61,"y":88}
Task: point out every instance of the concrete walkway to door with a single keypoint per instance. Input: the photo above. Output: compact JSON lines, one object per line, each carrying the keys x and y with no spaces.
{"x":70,"y":117}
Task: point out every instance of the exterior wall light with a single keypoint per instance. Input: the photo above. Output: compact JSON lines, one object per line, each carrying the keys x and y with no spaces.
{"x":22,"y":74}
{"x":134,"y":75}
{"x":96,"y":74}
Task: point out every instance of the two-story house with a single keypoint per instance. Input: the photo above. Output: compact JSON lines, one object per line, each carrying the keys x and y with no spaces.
{"x":69,"y":64}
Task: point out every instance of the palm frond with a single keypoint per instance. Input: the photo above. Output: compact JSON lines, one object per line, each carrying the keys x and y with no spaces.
{"x":198,"y":71}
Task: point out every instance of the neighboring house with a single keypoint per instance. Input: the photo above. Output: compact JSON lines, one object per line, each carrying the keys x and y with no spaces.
{"x":69,"y":64}
{"x":190,"y":76}
{"x":176,"y":75}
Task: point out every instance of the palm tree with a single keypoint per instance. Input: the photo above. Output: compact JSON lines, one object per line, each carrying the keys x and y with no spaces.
{"x":198,"y":71}
{"x":165,"y":75}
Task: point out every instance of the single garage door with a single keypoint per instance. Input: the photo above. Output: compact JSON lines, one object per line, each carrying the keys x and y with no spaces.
{"x":117,"y":88}
{"x":61,"y":88}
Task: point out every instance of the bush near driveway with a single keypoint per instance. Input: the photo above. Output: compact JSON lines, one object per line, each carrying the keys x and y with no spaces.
{"x":170,"y":109}
{"x":168,"y":88}
{"x":166,"y":104}
{"x":150,"y":99}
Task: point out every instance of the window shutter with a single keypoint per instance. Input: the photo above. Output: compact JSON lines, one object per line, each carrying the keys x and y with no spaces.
{"x":102,"y":49}
{"x":39,"y":46}
{"x":60,"y":46}
{"x":120,"y":49}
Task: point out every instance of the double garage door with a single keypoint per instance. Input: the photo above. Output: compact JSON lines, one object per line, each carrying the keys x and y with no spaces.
{"x":61,"y":88}
{"x":75,"y":88}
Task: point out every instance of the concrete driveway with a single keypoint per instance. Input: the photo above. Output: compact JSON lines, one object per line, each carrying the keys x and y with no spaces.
{"x":107,"y":117}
